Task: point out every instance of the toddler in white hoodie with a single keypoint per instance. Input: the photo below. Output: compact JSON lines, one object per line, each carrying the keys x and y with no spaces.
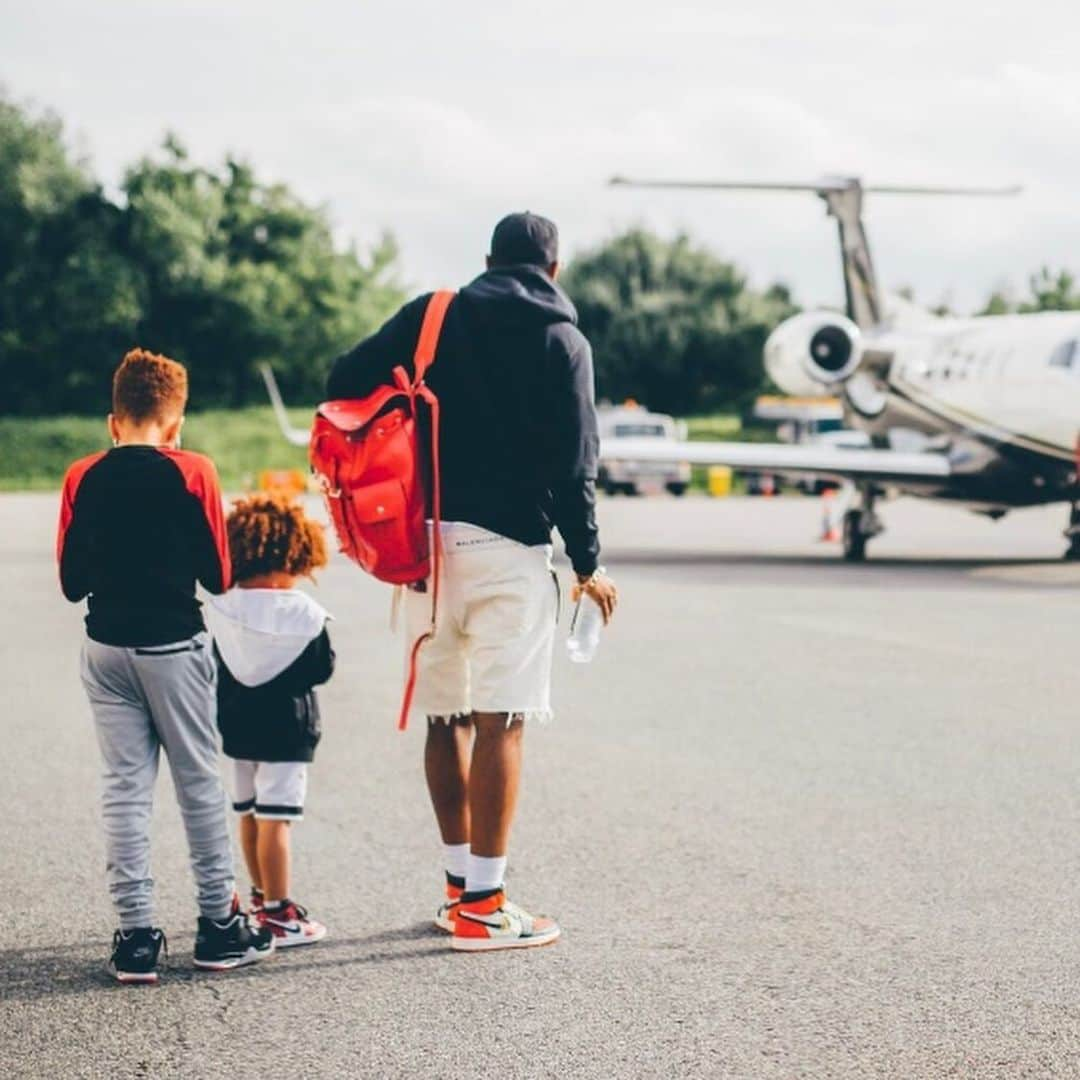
{"x":272,"y":649}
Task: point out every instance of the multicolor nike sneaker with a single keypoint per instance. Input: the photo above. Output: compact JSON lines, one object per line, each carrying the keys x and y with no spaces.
{"x":232,"y":942}
{"x":444,"y":917}
{"x":135,"y":955}
{"x":487,"y":921}
{"x":290,"y":925}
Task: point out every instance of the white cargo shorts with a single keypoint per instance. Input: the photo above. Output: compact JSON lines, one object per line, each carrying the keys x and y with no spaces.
{"x":495,"y":627}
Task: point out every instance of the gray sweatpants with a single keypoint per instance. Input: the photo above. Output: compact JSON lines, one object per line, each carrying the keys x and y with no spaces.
{"x":144,"y":699}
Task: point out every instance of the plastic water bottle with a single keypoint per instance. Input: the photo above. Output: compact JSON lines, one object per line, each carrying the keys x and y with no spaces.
{"x":585,"y":630}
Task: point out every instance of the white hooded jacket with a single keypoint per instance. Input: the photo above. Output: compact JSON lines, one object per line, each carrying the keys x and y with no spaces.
{"x":260,"y":632}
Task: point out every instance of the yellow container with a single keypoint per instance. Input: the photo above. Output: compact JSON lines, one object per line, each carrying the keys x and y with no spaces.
{"x":720,"y":480}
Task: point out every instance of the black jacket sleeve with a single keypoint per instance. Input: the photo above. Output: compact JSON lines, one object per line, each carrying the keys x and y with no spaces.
{"x":314,"y":665}
{"x":323,"y":658}
{"x":574,"y":447}
{"x":356,"y":373}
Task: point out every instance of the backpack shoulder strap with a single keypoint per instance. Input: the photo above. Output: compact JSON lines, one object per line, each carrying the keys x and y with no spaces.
{"x":430,"y":329}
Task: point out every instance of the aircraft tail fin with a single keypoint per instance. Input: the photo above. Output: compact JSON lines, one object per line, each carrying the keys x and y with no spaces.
{"x":903,"y":313}
{"x":843,"y":199}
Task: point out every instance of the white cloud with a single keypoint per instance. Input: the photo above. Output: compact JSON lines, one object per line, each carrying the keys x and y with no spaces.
{"x":432,"y":121}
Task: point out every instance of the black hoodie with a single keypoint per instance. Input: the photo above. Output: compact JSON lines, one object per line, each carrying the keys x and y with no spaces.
{"x":514,"y":378}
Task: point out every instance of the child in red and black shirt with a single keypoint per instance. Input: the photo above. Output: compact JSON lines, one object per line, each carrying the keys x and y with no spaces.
{"x":139,"y":525}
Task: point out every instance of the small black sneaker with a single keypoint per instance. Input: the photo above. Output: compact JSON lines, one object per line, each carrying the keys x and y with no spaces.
{"x":135,"y":954}
{"x":231,"y":943}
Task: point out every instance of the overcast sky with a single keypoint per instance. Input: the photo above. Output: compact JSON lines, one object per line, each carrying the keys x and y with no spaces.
{"x":432,"y":119}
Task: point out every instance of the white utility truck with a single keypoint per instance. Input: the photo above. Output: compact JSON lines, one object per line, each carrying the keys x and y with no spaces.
{"x":631,"y":421}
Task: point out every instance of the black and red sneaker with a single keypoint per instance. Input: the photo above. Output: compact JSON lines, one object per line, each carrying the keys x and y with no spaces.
{"x":291,"y":925}
{"x":136,"y":954}
{"x":231,"y":942}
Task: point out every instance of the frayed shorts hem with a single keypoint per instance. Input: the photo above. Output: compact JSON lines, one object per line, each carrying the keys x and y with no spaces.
{"x":537,"y":716}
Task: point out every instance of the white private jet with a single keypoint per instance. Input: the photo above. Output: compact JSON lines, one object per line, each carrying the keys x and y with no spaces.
{"x":984,"y":411}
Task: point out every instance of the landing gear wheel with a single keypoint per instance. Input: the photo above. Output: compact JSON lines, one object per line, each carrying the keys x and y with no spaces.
{"x":1072,"y":534}
{"x":854,"y":537}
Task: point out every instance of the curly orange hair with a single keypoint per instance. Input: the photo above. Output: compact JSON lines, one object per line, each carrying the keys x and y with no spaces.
{"x":147,"y":386}
{"x":269,"y":533}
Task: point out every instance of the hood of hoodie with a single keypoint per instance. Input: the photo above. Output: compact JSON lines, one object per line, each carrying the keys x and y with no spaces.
{"x":514,"y":293}
{"x":260,"y":632}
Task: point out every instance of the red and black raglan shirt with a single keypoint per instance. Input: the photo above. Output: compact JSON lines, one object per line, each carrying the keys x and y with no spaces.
{"x":139,"y":525}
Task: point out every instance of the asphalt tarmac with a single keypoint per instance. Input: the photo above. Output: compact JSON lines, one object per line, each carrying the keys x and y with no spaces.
{"x":799,"y":818}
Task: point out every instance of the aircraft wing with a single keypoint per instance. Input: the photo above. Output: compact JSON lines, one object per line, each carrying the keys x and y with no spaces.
{"x":833,"y":461}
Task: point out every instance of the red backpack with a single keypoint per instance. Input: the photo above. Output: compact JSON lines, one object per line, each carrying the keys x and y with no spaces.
{"x":367,"y":456}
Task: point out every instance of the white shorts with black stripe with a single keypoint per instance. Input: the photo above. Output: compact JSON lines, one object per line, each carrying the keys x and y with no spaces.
{"x":270,"y":789}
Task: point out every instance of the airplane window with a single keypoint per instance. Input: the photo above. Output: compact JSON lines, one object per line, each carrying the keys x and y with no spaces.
{"x":1066,"y":354}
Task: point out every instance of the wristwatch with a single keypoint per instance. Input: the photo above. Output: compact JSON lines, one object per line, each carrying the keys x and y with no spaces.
{"x":590,"y":579}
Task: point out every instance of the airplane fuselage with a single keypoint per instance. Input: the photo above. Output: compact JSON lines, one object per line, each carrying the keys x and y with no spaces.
{"x":1000,"y":395}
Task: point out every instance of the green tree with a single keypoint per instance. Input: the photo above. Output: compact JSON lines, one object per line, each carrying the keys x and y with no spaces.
{"x":69,"y":299}
{"x":214,"y":267}
{"x":238,"y":272}
{"x":1048,"y":291}
{"x":998,"y":303}
{"x":672,"y":325}
{"x":1052,"y":292}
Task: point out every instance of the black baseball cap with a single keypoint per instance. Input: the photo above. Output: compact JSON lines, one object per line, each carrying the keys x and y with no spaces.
{"x":525,"y":238}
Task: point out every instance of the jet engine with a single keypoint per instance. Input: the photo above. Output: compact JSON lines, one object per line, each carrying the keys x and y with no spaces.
{"x":812,"y":352}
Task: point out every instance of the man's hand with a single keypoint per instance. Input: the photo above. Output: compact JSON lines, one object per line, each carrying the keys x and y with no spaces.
{"x":601,"y":588}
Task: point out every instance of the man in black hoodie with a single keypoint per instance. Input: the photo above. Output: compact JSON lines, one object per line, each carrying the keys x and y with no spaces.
{"x":518,"y":444}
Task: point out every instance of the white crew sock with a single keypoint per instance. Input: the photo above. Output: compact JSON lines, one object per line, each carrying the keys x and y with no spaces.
{"x":455,"y":857}
{"x":483,"y":873}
